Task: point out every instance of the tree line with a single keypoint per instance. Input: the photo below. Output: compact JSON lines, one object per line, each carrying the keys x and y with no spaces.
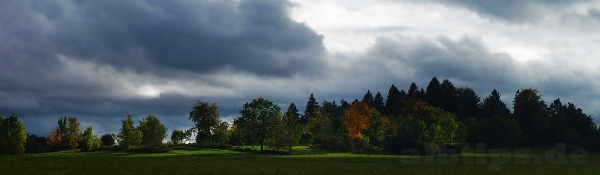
{"x":440,"y":115}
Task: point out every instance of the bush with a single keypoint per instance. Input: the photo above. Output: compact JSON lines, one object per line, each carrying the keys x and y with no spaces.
{"x":428,"y":149}
{"x":306,"y":139}
{"x":398,"y":143}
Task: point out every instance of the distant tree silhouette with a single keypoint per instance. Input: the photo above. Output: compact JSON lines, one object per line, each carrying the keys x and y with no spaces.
{"x":449,"y":97}
{"x":392,"y":100}
{"x":530,"y":113}
{"x":368,"y":98}
{"x":434,"y":94}
{"x":493,"y":105}
{"x":413,"y":92}
{"x":378,"y":103}
{"x":468,"y":104}
{"x":108,"y":139}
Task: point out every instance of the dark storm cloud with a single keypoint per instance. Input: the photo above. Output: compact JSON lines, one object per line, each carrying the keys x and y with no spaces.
{"x":159,"y":36}
{"x":465,"y":60}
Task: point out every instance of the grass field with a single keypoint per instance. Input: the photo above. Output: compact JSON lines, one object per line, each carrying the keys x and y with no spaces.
{"x":302,"y":161}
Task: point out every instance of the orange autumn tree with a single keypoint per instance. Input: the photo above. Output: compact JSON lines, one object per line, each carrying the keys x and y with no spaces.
{"x":66,"y":135}
{"x":356,"y":120}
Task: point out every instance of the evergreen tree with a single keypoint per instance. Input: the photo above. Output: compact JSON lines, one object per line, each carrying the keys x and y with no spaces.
{"x":378,"y":103}
{"x":311,"y":106}
{"x":392,"y":98}
{"x":413,"y":92}
{"x":449,"y":97}
{"x":493,"y":105}
{"x":434,"y":93}
{"x":468,"y":103}
{"x":368,"y":98}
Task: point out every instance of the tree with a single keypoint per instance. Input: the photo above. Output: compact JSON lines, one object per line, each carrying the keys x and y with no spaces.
{"x":378,"y":103}
{"x":320,"y":127}
{"x":292,"y":111}
{"x":107,"y":140}
{"x":220,"y":135}
{"x":468,"y":104}
{"x":130,"y":136}
{"x":311,"y":106}
{"x":205,"y":117}
{"x":429,"y":124}
{"x":413,"y":92}
{"x":368,"y":98}
{"x":153,"y":132}
{"x":97,"y":142}
{"x":377,"y":127}
{"x":449,"y":97}
{"x":356,"y":120}
{"x":35,"y":144}
{"x":178,"y":136}
{"x":12,"y":135}
{"x":434,"y":94}
{"x":258,"y":119}
{"x":87,"y":139}
{"x":531,"y":115}
{"x":394,"y":102}
{"x":66,"y":135}
{"x":493,"y":105}
{"x":287,"y":133}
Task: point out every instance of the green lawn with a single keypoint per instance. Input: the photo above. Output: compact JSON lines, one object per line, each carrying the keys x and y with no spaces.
{"x":303,"y":161}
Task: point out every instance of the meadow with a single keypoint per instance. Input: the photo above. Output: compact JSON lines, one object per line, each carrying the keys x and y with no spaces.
{"x":187,"y":160}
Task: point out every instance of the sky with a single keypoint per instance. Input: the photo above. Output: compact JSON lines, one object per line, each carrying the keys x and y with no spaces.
{"x":102,"y":60}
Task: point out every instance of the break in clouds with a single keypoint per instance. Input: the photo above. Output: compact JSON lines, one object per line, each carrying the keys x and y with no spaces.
{"x":102,"y":60}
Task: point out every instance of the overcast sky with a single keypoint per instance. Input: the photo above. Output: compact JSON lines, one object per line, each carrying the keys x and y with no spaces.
{"x":102,"y":60}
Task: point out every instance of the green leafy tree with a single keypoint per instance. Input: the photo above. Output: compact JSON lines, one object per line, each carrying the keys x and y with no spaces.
{"x":87,"y":139}
{"x":205,"y":117}
{"x":107,"y":140}
{"x":178,"y":136}
{"x":220,"y":134}
{"x":377,"y":127}
{"x":97,"y":142}
{"x":258,"y":119}
{"x":153,"y":132}
{"x":12,"y":135}
{"x":286,"y":133}
{"x":320,"y":127}
{"x":130,"y":137}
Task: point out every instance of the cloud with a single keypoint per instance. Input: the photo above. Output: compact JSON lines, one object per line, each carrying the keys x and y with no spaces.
{"x":514,"y":10}
{"x":164,"y":37}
